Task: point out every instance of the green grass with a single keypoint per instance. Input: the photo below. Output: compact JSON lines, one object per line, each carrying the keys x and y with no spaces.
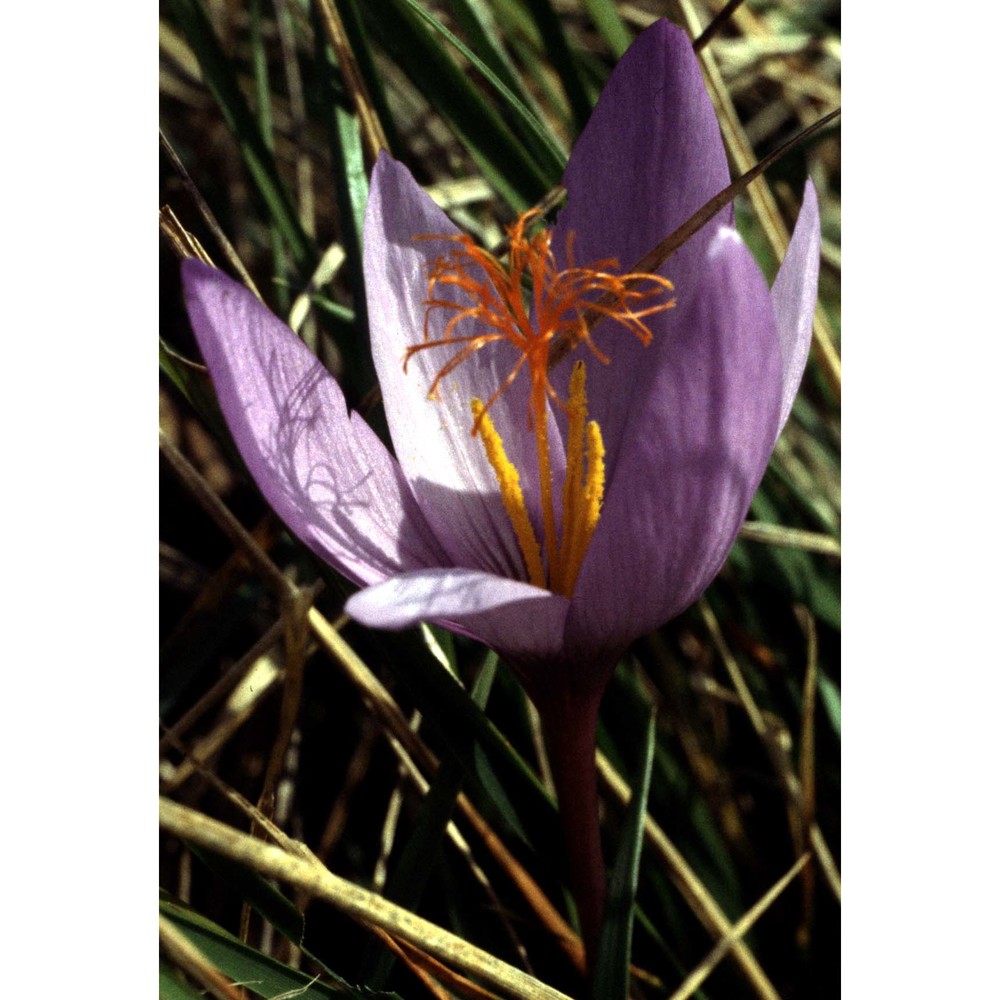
{"x":359,"y":744}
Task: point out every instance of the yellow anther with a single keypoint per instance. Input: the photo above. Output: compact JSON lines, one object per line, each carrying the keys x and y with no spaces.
{"x":582,"y":494}
{"x":593,"y":498}
{"x":510,"y":492}
{"x":576,"y":413}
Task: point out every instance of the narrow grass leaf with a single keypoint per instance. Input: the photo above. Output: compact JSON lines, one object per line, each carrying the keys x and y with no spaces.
{"x":357,"y":36}
{"x":505,"y":162}
{"x":420,"y":856}
{"x":221,"y":80}
{"x":341,"y":314}
{"x":441,"y":644}
{"x":192,"y":382}
{"x":544,"y":82}
{"x":172,"y":988}
{"x":265,"y":121}
{"x":351,"y":191}
{"x":485,"y":677}
{"x":676,"y":789}
{"x":352,"y":197}
{"x":484,"y":34}
{"x":509,"y":785}
{"x":830,"y":697}
{"x":418,"y":860}
{"x":538,"y":141}
{"x":611,"y":970}
{"x":258,"y":973}
{"x":276,"y":908}
{"x":563,"y":60}
{"x":610,"y":25}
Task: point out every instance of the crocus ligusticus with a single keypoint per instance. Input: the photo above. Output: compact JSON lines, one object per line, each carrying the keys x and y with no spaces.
{"x":686,"y":422}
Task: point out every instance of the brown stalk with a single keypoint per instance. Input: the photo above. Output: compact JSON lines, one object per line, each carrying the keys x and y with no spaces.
{"x":778,"y":755}
{"x":192,"y":960}
{"x":715,"y":24}
{"x":372,"y":133}
{"x":405,"y":742}
{"x":807,"y":763}
{"x":302,"y":870}
{"x":296,"y":634}
{"x":183,"y":243}
{"x":226,"y":682}
{"x":701,"y":973}
{"x":429,"y":968}
{"x":228,"y":250}
{"x":416,"y":968}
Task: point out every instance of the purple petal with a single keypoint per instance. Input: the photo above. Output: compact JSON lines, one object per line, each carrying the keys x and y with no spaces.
{"x":794,"y":296}
{"x":515,"y":618}
{"x":650,"y":156}
{"x":323,"y":470}
{"x":697,"y":442}
{"x":447,"y":468}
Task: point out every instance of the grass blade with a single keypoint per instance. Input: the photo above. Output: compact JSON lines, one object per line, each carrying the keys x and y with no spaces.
{"x":262,"y":975}
{"x":416,"y":864}
{"x":611,"y":971}
{"x":518,"y":800}
{"x":563,"y":60}
{"x":221,"y":79}
{"x":512,"y":171}
{"x":538,"y":142}
{"x":609,"y":23}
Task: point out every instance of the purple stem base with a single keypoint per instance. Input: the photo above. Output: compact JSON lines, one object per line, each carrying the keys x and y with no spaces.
{"x":569,"y":726}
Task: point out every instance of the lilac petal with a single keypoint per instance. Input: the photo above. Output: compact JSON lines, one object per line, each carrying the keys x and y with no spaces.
{"x":650,"y":156}
{"x":515,"y":618}
{"x":323,"y":470}
{"x":447,"y":468}
{"x":697,"y":443}
{"x":794,"y":296}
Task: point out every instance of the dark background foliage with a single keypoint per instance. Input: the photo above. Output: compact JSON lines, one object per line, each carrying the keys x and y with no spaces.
{"x":260,"y":104}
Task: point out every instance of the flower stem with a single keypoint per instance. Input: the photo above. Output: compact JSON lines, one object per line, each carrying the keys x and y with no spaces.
{"x":569,"y":726}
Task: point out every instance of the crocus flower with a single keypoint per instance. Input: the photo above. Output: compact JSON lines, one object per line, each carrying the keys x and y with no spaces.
{"x":555,"y":509}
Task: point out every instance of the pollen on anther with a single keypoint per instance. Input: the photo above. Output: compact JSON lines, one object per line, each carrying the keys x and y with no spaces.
{"x":509,"y":482}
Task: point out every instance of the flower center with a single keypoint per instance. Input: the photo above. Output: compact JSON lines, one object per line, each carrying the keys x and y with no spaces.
{"x":534,"y":306}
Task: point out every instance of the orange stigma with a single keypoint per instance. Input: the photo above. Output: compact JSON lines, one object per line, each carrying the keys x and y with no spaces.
{"x":534,"y":306}
{"x":560,"y":301}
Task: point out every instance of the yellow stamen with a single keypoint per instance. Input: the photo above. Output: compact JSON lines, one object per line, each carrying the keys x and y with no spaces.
{"x":583,"y":492}
{"x":576,"y":413}
{"x":510,"y":492}
{"x":582,"y":495}
{"x":482,"y":289}
{"x":593,"y":498}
